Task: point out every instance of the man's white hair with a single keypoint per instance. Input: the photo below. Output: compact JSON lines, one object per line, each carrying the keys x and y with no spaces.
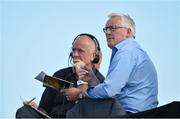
{"x":127,"y":21}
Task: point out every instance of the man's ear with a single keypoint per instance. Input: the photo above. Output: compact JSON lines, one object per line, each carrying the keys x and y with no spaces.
{"x":94,"y":55}
{"x":129,"y":32}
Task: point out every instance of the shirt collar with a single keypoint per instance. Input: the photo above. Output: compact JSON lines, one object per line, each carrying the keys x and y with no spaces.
{"x":121,"y":44}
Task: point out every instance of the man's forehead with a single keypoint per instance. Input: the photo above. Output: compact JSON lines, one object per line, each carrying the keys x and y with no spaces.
{"x":80,"y":41}
{"x":84,"y":40}
{"x":80,"y":44}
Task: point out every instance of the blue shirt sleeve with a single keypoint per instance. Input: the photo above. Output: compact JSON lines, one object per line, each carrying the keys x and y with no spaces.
{"x":117,"y":77}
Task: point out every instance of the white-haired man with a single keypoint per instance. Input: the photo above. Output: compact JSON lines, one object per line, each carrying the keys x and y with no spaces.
{"x":131,"y":77}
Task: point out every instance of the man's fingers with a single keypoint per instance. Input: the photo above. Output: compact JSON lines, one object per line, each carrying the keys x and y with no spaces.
{"x":82,"y":73}
{"x":64,"y":91}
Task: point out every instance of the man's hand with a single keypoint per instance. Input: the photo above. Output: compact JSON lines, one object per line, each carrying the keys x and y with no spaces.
{"x":30,"y":103}
{"x":72,"y":94}
{"x":82,"y":71}
{"x":86,"y":74}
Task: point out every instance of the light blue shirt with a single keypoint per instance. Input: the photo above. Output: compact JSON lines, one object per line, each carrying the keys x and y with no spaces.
{"x":131,"y":78}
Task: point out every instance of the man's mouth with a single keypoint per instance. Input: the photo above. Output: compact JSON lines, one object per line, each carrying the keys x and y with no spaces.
{"x":109,"y":37}
{"x":76,"y":60}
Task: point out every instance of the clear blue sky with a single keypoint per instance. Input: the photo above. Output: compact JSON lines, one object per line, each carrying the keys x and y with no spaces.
{"x":36,"y":35}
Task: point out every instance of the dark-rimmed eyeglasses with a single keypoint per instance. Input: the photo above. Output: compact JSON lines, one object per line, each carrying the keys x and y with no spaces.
{"x":112,"y":28}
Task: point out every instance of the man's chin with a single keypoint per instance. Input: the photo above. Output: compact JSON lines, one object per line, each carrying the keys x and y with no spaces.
{"x":109,"y":45}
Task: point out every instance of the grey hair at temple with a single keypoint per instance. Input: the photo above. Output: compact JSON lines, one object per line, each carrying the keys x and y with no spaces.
{"x":127,"y":21}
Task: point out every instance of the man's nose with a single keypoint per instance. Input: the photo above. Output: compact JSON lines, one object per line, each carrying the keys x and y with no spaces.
{"x":108,"y":31}
{"x":75,"y":54}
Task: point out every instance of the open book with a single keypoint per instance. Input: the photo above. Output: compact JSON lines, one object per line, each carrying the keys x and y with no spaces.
{"x":36,"y":113}
{"x":40,"y":112}
{"x":53,"y":82}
